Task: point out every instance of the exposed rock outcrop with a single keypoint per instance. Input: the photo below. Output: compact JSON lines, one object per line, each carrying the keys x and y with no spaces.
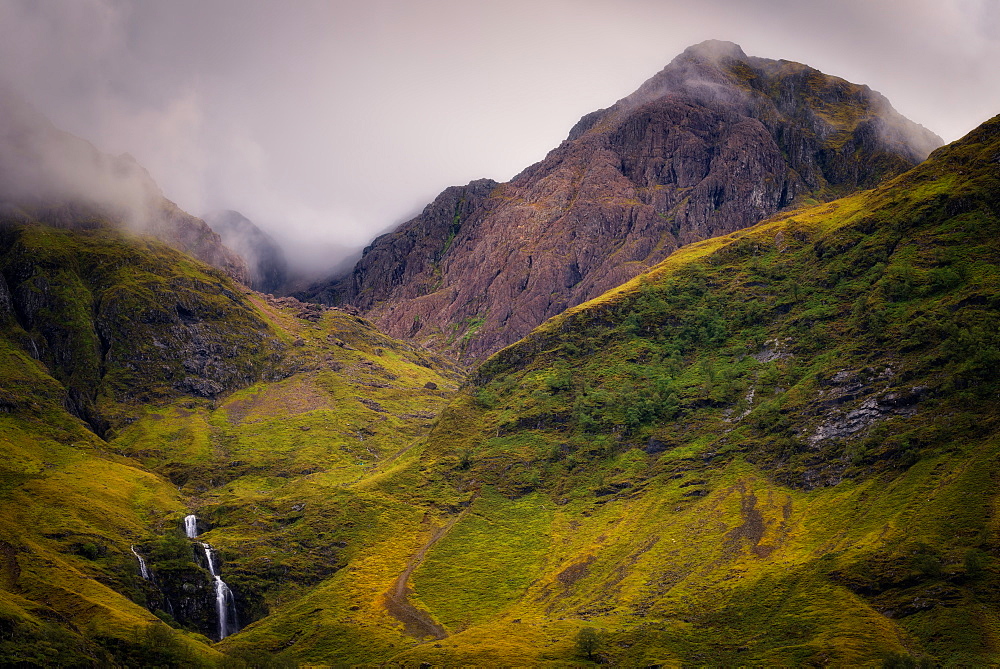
{"x":713,"y":143}
{"x":119,"y":323}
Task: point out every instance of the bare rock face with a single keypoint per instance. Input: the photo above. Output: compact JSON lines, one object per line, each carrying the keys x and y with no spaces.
{"x":715,"y":142}
{"x":406,"y":264}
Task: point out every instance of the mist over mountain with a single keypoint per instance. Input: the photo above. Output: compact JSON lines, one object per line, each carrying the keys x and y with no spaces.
{"x":48,"y":174}
{"x":266,"y":263}
{"x":713,"y":143}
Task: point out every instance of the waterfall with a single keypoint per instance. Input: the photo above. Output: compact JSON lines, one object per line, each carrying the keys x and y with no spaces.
{"x":143,"y":569}
{"x":225,"y":604}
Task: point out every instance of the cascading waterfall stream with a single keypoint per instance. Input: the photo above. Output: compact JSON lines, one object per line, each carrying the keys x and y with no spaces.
{"x":225,"y":603}
{"x":143,"y":569}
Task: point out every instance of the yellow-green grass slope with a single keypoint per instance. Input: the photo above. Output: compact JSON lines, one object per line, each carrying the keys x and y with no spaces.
{"x":251,"y":413}
{"x":70,"y":590}
{"x":273,"y":471}
{"x":778,"y":447}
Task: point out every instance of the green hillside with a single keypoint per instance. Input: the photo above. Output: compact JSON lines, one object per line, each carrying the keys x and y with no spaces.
{"x":137,"y":386}
{"x":779,"y":447}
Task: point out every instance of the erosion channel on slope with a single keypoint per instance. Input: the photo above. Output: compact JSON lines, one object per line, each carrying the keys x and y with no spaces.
{"x":418,"y":623}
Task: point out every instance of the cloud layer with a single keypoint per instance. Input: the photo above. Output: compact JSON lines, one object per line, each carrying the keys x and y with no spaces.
{"x":329,"y":122}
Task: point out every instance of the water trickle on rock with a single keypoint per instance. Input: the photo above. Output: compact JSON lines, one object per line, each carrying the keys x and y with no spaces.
{"x":191,"y":526}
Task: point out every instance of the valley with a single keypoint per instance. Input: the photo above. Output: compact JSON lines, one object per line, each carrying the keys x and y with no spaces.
{"x":767,"y":439}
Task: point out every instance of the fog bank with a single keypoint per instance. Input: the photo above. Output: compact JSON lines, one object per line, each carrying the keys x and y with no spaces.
{"x":325,"y":122}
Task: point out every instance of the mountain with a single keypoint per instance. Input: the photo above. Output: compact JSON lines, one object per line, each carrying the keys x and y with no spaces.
{"x":266,"y":264}
{"x":49,"y":175}
{"x":713,"y":143}
{"x":778,"y":448}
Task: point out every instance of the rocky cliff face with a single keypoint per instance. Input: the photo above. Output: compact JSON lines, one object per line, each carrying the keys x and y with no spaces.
{"x":407,"y":264}
{"x":266,"y":264}
{"x":713,"y":143}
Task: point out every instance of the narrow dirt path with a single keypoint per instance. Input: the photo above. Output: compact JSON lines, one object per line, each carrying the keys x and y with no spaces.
{"x":418,"y":623}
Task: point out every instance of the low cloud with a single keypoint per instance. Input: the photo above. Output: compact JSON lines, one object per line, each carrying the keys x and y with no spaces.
{"x":327,"y":122}
{"x":41,"y":166}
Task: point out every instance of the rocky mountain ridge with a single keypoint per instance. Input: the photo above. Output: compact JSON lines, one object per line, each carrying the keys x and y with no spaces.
{"x":713,"y":143}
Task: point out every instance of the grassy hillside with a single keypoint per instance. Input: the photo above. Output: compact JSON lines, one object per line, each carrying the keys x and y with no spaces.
{"x":253,"y":414}
{"x":123,"y":324}
{"x":70,"y":593}
{"x":778,"y":447}
{"x":271,"y":470}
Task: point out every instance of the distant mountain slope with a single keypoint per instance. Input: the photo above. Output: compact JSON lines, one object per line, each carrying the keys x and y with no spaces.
{"x":266,"y":264}
{"x":715,"y":142}
{"x":50,"y":175}
{"x":138,"y":385}
{"x":779,"y":447}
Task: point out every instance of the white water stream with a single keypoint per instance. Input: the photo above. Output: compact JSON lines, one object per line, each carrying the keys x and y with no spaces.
{"x":225,"y":604}
{"x":143,"y":569}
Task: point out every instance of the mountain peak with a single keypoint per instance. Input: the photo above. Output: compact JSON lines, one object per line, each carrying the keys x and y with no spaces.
{"x":714,"y":142}
{"x":712,"y":50}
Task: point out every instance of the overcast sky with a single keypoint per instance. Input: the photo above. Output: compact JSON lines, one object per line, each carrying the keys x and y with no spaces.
{"x":327,"y":122}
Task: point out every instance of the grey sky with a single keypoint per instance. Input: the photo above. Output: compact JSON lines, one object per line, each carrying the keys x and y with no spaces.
{"x":329,"y":122}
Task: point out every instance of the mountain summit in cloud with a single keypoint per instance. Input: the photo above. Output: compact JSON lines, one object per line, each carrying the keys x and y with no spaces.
{"x":713,"y":143}
{"x":50,"y":175}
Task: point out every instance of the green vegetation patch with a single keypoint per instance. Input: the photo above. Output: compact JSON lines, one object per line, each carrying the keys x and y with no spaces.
{"x":508,"y":540}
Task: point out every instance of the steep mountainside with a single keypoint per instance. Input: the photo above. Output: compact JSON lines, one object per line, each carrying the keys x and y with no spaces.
{"x":124,"y":324}
{"x":266,"y":264}
{"x":713,"y":143}
{"x":209,"y":399}
{"x":779,"y":447}
{"x":50,"y":175}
